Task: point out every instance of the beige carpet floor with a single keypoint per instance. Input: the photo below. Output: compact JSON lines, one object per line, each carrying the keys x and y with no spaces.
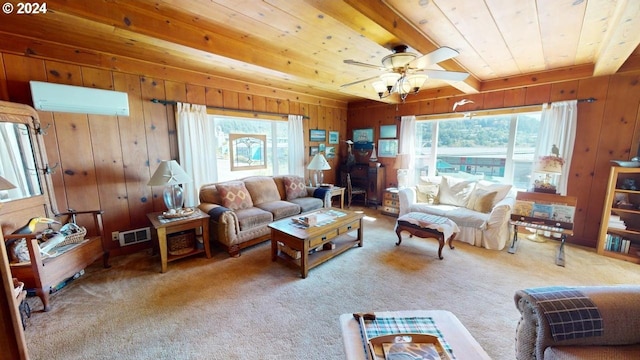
{"x":252,"y":308}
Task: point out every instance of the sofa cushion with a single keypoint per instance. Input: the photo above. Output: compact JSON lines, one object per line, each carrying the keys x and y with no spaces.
{"x":592,"y":352}
{"x":280,"y":209}
{"x":308,"y":203}
{"x":482,"y":200}
{"x":253,"y":217}
{"x":463,"y":217}
{"x":455,"y":191}
{"x":234,"y":195}
{"x":295,"y":187}
{"x":263,"y":189}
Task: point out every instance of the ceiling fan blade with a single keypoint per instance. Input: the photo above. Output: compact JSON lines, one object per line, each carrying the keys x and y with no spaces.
{"x":434,"y":57}
{"x":446,"y":75}
{"x":358,"y":63}
{"x":359,"y":81}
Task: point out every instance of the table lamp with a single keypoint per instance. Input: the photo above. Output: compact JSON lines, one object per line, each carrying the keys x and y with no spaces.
{"x":402,"y":166}
{"x":170,"y":175}
{"x":319,"y":164}
{"x":551,"y":167}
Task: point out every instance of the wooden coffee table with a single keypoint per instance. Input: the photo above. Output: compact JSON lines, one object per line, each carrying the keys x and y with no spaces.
{"x":303,"y":239}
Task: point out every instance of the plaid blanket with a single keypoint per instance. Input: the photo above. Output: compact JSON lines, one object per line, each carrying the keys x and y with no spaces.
{"x":570,"y":313}
{"x":396,"y":325}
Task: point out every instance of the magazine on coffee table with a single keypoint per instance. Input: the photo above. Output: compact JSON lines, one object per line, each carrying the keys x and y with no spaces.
{"x":407,"y":346}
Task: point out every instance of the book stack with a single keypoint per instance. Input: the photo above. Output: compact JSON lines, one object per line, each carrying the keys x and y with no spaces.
{"x":615,"y":222}
{"x":617,"y":244}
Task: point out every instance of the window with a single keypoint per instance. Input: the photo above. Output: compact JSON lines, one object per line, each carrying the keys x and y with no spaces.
{"x":497,"y":148}
{"x":276,"y":151}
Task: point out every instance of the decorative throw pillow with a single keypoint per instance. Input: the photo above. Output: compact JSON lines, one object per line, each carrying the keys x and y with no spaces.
{"x":482,"y":200}
{"x":294,"y":187}
{"x":235,"y":195}
{"x":501,"y":189}
{"x":427,"y":193}
{"x":455,"y":191}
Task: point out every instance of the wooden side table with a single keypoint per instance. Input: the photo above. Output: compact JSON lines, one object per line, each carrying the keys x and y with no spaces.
{"x":338,"y":191}
{"x":164,"y":227}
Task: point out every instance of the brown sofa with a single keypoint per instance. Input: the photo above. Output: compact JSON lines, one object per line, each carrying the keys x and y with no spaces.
{"x":241,"y":210}
{"x":611,"y":332}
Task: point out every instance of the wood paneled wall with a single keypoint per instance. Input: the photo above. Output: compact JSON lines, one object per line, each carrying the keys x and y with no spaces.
{"x":608,"y":129}
{"x":106,"y":161}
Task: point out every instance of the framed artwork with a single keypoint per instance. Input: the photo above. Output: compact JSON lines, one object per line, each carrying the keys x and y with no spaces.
{"x":317,"y":135}
{"x":388,"y":131}
{"x":313,"y":150}
{"x":321,"y":147}
{"x":363,"y":135}
{"x":331,"y":152}
{"x":387,"y":148}
{"x":334,"y":137}
{"x":247,"y":152}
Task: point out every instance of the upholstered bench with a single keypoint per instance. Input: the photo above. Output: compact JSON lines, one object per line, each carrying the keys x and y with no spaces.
{"x":427,"y":226}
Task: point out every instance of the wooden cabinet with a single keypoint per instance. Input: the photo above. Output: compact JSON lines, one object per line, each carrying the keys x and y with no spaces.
{"x":391,"y":203}
{"x":620,"y":227}
{"x":368,"y":177}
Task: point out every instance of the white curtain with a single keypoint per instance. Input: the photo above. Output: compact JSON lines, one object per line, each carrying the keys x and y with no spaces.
{"x":296,"y":145}
{"x":197,"y":147}
{"x":558,"y":127}
{"x":408,"y":144}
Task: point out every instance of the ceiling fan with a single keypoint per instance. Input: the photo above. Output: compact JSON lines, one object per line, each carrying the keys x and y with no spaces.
{"x":405,"y":72}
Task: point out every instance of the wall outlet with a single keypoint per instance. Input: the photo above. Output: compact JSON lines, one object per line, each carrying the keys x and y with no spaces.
{"x":115,"y":235}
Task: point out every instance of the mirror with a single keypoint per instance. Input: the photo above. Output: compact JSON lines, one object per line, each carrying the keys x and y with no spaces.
{"x":17,"y":162}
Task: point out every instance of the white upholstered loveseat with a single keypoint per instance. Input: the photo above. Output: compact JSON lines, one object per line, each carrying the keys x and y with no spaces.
{"x":481,"y":209}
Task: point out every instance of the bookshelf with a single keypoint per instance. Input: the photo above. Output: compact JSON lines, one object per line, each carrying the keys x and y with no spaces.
{"x":620,"y":226}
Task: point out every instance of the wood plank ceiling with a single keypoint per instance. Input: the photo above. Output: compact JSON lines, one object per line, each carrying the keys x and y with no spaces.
{"x":300,"y":45}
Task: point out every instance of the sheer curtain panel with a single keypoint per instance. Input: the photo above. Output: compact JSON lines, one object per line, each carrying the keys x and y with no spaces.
{"x":296,"y":145}
{"x":197,"y":148}
{"x":558,"y":127}
{"x":408,"y":143}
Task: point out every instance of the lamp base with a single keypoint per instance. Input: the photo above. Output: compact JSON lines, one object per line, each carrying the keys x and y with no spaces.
{"x":173,"y":198}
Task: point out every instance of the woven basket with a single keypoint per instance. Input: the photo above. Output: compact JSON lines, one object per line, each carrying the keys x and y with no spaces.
{"x":181,"y":243}
{"x":77,"y":235}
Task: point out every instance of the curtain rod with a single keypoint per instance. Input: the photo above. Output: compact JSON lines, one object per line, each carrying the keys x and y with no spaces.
{"x":169,"y":102}
{"x":587,"y":100}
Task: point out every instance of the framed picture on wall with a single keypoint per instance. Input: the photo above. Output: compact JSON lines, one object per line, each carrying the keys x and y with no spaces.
{"x":387,"y":148}
{"x":331,"y":152}
{"x":388,"y":131}
{"x":313,"y":150}
{"x":321,"y":147}
{"x":334,"y":137}
{"x":317,"y":135}
{"x":363,"y":135}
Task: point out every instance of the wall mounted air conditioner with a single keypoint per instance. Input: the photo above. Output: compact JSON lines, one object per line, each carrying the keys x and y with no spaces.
{"x":77,"y":99}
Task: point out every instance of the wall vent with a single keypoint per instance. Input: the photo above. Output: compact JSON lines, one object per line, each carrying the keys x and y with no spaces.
{"x":134,"y":236}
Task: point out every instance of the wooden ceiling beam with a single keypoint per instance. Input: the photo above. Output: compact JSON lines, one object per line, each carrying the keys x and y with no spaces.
{"x":621,"y":40}
{"x":69,"y":54}
{"x":238,"y":47}
{"x":539,"y":78}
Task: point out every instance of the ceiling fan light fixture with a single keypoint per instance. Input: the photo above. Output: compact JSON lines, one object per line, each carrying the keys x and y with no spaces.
{"x":380,"y":87}
{"x":390,"y":79}
{"x":415,"y":82}
{"x":398,"y":60}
